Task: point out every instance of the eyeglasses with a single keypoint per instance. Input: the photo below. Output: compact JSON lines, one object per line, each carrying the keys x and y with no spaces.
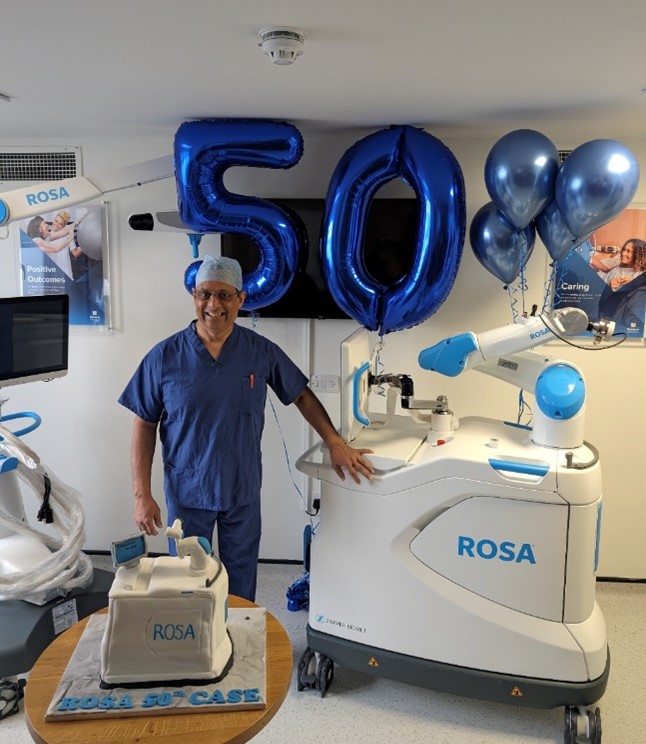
{"x":204,"y":295}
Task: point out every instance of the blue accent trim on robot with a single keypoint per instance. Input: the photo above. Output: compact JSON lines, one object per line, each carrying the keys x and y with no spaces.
{"x":37,"y":421}
{"x":598,"y":539}
{"x":4,"y":212}
{"x":7,"y":463}
{"x":519,"y":467}
{"x":356,"y":381}
{"x":206,"y":545}
{"x":448,"y":357}
{"x":517,"y":426}
{"x":560,"y":392}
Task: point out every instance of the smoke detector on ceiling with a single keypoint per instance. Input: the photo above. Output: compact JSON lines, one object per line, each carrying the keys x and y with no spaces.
{"x":282,"y":44}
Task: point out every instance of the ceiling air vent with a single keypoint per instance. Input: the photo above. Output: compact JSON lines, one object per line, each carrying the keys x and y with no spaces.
{"x":21,"y":166}
{"x":562,"y":155}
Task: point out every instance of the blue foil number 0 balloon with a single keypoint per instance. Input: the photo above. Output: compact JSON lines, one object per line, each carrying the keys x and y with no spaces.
{"x":432,"y":171}
{"x":204,"y":150}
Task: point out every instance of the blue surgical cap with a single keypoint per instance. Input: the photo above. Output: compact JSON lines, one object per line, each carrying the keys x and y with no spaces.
{"x":221,"y":269}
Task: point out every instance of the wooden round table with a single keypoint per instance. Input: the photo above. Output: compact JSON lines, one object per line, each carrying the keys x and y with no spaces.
{"x":196,"y":728}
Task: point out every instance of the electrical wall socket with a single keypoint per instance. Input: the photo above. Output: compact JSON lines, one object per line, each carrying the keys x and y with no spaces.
{"x":325,"y":383}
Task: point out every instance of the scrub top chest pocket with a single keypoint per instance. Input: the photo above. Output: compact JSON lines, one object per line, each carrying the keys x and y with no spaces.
{"x":253,"y":394}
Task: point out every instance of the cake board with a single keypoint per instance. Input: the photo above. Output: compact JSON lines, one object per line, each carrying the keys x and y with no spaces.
{"x":79,"y":695}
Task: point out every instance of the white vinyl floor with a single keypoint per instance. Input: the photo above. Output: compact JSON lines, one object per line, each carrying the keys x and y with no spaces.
{"x":362,"y":709}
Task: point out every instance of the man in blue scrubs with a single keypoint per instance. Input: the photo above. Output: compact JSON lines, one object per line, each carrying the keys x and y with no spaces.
{"x":204,"y":388}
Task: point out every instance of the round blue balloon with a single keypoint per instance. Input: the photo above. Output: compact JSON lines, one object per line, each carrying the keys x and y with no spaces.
{"x":553,"y":231}
{"x":434,"y":174}
{"x":520,"y":172}
{"x":595,"y":183}
{"x":501,"y":248}
{"x":190,"y":274}
{"x":203,"y":151}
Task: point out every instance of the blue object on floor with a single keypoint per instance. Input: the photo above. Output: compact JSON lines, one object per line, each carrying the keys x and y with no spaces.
{"x":298,"y":594}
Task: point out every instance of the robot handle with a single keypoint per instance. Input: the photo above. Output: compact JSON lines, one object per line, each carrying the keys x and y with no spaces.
{"x":308,"y":466}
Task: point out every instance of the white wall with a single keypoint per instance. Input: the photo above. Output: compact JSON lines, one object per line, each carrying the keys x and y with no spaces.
{"x":85,"y":435}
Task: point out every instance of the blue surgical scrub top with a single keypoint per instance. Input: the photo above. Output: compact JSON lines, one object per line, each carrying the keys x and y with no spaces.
{"x":211,"y":412}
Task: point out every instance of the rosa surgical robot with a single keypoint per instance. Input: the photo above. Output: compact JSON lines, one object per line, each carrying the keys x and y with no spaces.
{"x":46,"y":582}
{"x":468,"y":563}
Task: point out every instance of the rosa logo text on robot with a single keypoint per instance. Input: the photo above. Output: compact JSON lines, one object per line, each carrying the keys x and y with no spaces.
{"x":41,"y":197}
{"x":540,"y":333}
{"x":490,"y":549}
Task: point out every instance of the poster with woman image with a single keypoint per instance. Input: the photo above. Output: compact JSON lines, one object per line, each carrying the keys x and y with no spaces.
{"x":62,"y":252}
{"x":606,"y":275}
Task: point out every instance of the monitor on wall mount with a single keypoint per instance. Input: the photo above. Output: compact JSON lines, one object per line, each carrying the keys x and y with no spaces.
{"x":34,"y":338}
{"x":389,"y":247}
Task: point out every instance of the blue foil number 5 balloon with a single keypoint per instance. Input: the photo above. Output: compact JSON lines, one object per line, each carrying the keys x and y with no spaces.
{"x":432,"y":171}
{"x":204,"y":150}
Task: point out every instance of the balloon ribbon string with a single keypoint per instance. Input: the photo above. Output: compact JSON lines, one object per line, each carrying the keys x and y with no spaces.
{"x":549,"y":286}
{"x":522,"y":283}
{"x":513,"y":301}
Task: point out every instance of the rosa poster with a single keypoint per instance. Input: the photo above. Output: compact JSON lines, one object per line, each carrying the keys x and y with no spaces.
{"x":63,"y":253}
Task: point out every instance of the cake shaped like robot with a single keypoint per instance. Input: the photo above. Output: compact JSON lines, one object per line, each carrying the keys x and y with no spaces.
{"x":167,"y":617}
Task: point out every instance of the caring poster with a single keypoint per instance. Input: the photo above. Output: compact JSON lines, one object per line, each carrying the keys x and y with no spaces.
{"x":606,"y":275}
{"x":63,"y":252}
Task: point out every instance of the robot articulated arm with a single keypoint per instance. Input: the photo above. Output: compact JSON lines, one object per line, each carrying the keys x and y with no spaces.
{"x":558,"y":386}
{"x":457,"y":354}
{"x":34,"y":200}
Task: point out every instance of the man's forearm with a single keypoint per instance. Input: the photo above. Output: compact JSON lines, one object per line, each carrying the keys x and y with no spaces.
{"x":316,"y":416}
{"x":144,"y":437}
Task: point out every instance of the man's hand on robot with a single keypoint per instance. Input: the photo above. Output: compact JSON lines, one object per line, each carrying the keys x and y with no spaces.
{"x":347,"y":458}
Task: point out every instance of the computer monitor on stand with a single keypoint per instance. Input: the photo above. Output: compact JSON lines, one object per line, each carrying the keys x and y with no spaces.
{"x":34,"y":337}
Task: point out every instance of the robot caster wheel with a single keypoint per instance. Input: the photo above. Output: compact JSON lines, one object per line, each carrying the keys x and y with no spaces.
{"x":306,"y":673}
{"x":12,"y":690}
{"x":315,"y":672}
{"x":324,"y":674}
{"x":582,"y":726}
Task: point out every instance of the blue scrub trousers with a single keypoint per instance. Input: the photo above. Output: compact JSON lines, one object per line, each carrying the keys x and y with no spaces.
{"x":238,"y":540}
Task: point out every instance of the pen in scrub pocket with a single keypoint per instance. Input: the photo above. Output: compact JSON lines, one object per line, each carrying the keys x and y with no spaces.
{"x":251,"y":381}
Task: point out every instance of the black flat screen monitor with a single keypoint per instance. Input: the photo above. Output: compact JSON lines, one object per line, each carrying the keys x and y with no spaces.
{"x":34,"y":337}
{"x":388,"y":250}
